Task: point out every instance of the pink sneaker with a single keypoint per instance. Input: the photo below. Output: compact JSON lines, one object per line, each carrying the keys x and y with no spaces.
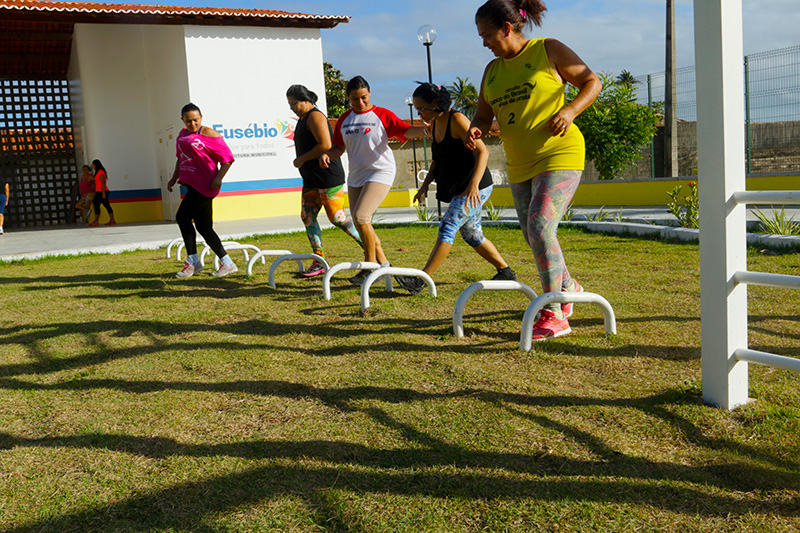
{"x":574,"y":286}
{"x":111,"y":222}
{"x":224,"y":270}
{"x":93,"y":224}
{"x":550,"y":326}
{"x":315,"y":269}
{"x":188,"y":270}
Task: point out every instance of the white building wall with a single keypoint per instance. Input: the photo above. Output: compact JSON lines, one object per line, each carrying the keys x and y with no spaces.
{"x":117,"y":128}
{"x":238,"y":76}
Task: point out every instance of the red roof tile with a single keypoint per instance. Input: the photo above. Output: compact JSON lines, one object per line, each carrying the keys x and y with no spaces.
{"x":77,"y":12}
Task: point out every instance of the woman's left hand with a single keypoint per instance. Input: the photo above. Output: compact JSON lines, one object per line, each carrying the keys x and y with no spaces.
{"x":216,"y":183}
{"x":561,"y":121}
{"x":298,"y":162}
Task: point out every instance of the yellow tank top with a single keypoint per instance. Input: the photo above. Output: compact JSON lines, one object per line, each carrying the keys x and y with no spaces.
{"x":524,"y":94}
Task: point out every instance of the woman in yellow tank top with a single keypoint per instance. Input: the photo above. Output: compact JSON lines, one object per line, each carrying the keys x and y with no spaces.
{"x":524,"y":89}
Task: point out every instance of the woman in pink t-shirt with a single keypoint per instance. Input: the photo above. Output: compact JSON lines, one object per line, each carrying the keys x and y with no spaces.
{"x":203,"y":160}
{"x":364,"y":131}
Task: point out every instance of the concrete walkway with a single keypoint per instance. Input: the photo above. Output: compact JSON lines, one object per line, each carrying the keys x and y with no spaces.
{"x":72,"y":239}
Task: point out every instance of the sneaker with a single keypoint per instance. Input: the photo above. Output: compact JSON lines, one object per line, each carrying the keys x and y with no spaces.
{"x":505,"y":274}
{"x":412,"y":284}
{"x":224,"y":270}
{"x":550,"y":326}
{"x":315,"y":269}
{"x":111,"y":222}
{"x":189,"y":269}
{"x":567,"y":309}
{"x":359,"y":278}
{"x":95,"y":223}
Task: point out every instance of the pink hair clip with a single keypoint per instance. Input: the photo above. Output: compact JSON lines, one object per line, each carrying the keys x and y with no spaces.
{"x":523,"y":13}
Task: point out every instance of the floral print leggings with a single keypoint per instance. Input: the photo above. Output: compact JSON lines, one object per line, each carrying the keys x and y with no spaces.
{"x":333,"y":201}
{"x":540,"y":203}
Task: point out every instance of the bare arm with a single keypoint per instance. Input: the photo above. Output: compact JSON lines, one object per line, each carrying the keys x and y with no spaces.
{"x":335,"y":152}
{"x":318,"y":125}
{"x":569,"y":67}
{"x":482,"y":121}
{"x":459,"y":129}
{"x":223,"y":169}
{"x":423,"y":189}
{"x":415,"y":132}
{"x":175,"y":173}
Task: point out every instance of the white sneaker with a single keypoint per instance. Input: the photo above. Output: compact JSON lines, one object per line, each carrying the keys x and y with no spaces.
{"x":224,"y":270}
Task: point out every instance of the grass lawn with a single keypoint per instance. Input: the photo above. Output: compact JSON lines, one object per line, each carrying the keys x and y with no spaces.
{"x":132,"y":401}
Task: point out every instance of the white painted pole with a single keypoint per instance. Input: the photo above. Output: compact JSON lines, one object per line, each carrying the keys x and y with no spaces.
{"x":721,"y":165}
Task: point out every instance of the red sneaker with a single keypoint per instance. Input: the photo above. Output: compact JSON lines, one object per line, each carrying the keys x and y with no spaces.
{"x":550,"y":326}
{"x":111,"y":222}
{"x":94,"y":223}
{"x":574,"y":286}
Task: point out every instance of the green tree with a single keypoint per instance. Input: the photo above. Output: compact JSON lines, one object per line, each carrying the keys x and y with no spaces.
{"x":615,"y":127}
{"x":335,"y":91}
{"x":464,"y":96}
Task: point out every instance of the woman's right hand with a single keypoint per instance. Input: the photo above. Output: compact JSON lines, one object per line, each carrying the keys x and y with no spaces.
{"x":473,"y":134}
{"x":324,"y":161}
{"x":421,"y":193}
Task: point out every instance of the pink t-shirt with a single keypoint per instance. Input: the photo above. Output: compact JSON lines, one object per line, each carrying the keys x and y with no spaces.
{"x":366,"y":137}
{"x":87,"y":185}
{"x":200,"y":157}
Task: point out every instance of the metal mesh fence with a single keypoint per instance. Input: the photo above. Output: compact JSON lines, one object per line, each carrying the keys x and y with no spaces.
{"x":772,"y":111}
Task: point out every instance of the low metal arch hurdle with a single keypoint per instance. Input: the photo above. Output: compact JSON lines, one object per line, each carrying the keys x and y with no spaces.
{"x":182,"y":245}
{"x":207,"y":250}
{"x":244,"y":248}
{"x":173,"y":242}
{"x":485,"y":285}
{"x":294,"y":257}
{"x":353,"y":265}
{"x":262,"y":255}
{"x":389,"y":271}
{"x":526,"y":335}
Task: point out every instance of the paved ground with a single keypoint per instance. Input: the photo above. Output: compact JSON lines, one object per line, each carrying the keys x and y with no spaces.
{"x":74,"y":239}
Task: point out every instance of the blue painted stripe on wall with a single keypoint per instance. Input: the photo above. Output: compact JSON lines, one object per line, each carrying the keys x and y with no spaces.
{"x":261,"y":185}
{"x":235,"y":186}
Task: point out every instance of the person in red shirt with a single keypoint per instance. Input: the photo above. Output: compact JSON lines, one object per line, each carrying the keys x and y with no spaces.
{"x":101,"y":194}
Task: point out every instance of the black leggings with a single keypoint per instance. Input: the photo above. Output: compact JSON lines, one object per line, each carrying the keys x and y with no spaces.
{"x":196,"y":207}
{"x":100,"y":200}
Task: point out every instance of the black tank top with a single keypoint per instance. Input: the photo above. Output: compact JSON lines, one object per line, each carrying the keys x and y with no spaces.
{"x":313,"y":175}
{"x":454,"y":165}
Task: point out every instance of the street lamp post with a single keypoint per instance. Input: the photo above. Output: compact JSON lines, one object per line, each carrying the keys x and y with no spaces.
{"x":427,"y":35}
{"x":410,"y":102}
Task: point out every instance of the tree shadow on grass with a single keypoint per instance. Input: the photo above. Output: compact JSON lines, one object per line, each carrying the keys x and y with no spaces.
{"x":613,"y":477}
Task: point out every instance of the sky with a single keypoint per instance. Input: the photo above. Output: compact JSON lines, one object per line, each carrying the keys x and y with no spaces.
{"x":380,"y":43}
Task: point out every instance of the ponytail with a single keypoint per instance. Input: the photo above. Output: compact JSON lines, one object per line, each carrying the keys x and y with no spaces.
{"x":519,"y":13}
{"x":431,"y":93}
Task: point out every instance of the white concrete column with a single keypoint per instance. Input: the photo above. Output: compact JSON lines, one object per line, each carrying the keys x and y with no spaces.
{"x":721,"y":165}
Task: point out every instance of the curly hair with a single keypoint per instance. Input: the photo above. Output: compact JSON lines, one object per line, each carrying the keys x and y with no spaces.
{"x":519,"y":13}
{"x":431,"y":93}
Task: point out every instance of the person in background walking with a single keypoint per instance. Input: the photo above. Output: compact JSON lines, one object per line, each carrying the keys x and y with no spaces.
{"x":101,"y":194}
{"x":86,"y":184}
{"x":5,"y":193}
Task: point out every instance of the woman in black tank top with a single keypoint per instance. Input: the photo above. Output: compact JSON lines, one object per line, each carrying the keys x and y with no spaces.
{"x":322,"y":187}
{"x":462,"y":179}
